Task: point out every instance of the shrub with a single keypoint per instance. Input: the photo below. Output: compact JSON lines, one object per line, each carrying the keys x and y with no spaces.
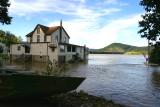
{"x":155,"y":55}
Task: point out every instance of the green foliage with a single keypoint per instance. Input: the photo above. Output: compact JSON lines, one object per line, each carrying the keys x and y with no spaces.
{"x":136,"y":52}
{"x":1,"y":49}
{"x":8,"y":38}
{"x":4,"y":56}
{"x":150,"y":25}
{"x":4,"y":17}
{"x":154,"y":56}
{"x":127,"y":49}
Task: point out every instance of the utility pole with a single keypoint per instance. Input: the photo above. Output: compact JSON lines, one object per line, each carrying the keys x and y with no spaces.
{"x":148,"y":50}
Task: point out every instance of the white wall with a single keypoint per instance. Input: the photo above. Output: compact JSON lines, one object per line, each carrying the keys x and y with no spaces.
{"x":28,"y":39}
{"x":53,"y":53}
{"x":41,"y":50}
{"x":64,"y":35}
{"x":48,"y":38}
{"x":57,"y":33}
{"x":38,"y":49}
{"x":34,"y":37}
{"x":14,"y":49}
{"x":54,"y":37}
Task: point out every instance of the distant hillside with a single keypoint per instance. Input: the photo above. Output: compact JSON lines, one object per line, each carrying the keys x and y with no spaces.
{"x":121,"y":48}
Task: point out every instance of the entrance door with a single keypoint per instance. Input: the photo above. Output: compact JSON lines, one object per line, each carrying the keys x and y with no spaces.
{"x":62,"y":59}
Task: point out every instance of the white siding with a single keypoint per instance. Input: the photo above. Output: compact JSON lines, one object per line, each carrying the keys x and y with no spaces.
{"x":48,"y":38}
{"x":28,"y":39}
{"x":39,"y":49}
{"x":34,"y":37}
{"x":53,"y":54}
{"x":15,"y":51}
{"x":64,"y":39}
{"x":54,"y":37}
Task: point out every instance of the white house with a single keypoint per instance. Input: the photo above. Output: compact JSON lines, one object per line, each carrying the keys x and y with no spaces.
{"x":48,"y":43}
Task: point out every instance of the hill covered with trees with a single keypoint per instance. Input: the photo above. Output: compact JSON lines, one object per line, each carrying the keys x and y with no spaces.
{"x":121,"y":48}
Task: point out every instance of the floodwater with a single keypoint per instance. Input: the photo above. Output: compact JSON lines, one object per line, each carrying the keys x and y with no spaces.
{"x":121,"y":78}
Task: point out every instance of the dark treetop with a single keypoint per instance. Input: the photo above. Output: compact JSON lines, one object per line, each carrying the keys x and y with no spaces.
{"x":150,"y":25}
{"x":4,"y":17}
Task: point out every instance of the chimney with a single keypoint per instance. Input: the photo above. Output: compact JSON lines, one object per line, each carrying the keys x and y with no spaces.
{"x":61,"y":23}
{"x":60,"y":32}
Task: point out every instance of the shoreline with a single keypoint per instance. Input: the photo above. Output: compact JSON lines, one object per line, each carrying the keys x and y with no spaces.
{"x":74,"y":99}
{"x":82,"y":99}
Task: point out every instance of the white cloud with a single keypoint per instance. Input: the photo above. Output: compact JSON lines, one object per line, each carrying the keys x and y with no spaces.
{"x":83,"y":31}
{"x":71,"y":7}
{"x":24,"y":7}
{"x":111,"y":1}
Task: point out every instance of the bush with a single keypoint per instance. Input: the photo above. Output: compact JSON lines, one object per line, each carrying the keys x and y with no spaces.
{"x":155,"y":55}
{"x":1,"y":49}
{"x":4,"y":56}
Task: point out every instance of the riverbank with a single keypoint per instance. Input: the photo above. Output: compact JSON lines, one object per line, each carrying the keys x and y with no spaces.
{"x":73,"y":99}
{"x":81,"y":99}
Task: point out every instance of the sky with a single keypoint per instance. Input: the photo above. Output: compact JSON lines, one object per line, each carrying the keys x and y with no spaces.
{"x":94,"y":23}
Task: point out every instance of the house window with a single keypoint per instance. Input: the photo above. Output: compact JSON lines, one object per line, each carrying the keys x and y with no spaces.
{"x":73,"y":49}
{"x":65,"y":39}
{"x":38,"y":30}
{"x":69,"y":48}
{"x":38,"y":38}
{"x":56,"y":38}
{"x":45,"y":38}
{"x":62,"y":48}
{"x":81,"y":49}
{"x":18,"y":48}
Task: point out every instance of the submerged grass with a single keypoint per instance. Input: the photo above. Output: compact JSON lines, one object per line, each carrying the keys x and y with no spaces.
{"x":81,"y":99}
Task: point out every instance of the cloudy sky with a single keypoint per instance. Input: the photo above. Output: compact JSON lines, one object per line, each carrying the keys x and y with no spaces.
{"x":96,"y":23}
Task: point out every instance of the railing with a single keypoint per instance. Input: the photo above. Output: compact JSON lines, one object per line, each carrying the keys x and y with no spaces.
{"x":52,"y":45}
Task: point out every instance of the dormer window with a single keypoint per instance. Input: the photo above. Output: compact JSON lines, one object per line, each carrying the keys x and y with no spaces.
{"x":65,"y":39}
{"x":38,"y":38}
{"x":38,"y":30}
{"x":45,"y":38}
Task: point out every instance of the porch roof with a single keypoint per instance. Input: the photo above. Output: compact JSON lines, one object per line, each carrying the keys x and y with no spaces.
{"x":68,"y":44}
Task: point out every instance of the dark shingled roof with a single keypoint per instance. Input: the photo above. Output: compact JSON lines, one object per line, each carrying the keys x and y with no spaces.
{"x":46,"y":30}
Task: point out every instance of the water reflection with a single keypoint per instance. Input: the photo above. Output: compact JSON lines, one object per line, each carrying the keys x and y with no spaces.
{"x":155,"y":77}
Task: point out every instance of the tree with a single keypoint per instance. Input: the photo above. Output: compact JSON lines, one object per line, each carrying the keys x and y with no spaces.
{"x":150,"y":28}
{"x":150,"y":25}
{"x":2,"y":35}
{"x":154,"y":55}
{"x":19,"y":39}
{"x":4,"y":17}
{"x":8,"y":38}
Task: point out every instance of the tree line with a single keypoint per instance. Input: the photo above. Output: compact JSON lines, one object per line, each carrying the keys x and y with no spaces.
{"x":8,"y":38}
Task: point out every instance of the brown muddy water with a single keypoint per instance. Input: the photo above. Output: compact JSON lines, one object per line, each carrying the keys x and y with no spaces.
{"x":121,"y":78}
